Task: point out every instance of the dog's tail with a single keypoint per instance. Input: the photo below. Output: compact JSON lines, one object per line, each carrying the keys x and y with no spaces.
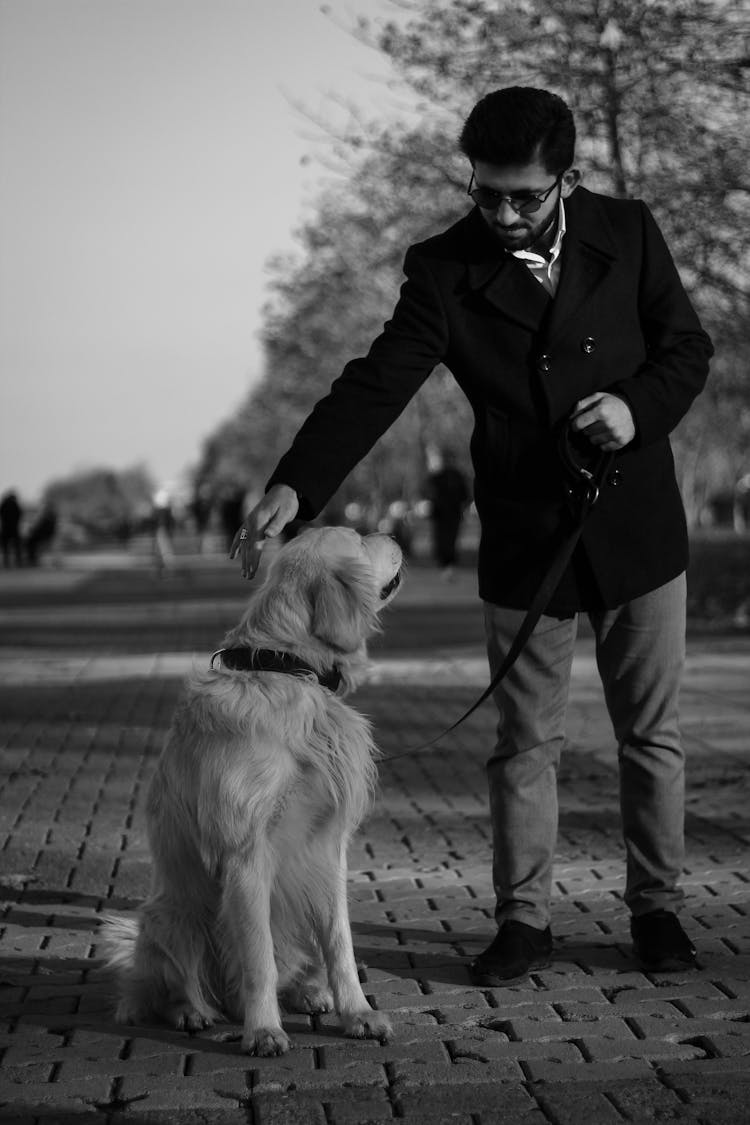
{"x":119,"y":936}
{"x":150,"y":974}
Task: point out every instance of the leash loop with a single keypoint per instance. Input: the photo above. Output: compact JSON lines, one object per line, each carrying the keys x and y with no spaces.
{"x":592,"y":494}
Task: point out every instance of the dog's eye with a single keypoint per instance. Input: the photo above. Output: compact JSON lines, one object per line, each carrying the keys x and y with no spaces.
{"x":391,"y":586}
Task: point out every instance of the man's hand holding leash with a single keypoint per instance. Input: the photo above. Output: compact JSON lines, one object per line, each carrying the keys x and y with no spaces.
{"x":605,"y":419}
{"x":278,"y":507}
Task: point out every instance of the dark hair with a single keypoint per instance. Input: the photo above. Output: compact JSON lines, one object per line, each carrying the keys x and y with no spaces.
{"x":517,"y":125}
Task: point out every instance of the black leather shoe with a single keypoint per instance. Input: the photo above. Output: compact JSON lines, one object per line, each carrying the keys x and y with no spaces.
{"x":515,"y":952}
{"x":659,"y":941}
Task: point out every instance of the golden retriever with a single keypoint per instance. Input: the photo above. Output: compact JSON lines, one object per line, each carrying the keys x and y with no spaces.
{"x":264,"y":777}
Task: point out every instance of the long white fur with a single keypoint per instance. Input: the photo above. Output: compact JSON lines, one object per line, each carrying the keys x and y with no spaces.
{"x":263,"y":779}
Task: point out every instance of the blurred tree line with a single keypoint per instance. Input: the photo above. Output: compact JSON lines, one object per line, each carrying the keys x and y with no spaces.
{"x":660,"y":93}
{"x":100,"y":505}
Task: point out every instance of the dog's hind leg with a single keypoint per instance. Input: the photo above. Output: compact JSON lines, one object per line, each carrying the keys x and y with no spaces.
{"x":335,"y":936}
{"x":173,"y":955}
{"x":170,"y":974}
{"x":246,"y":923}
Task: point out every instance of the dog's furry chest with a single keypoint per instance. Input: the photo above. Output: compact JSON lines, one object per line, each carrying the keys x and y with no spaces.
{"x":251,"y":761}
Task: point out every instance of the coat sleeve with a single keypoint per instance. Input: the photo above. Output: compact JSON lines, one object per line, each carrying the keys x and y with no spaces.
{"x":369,"y":395}
{"x":660,"y":392}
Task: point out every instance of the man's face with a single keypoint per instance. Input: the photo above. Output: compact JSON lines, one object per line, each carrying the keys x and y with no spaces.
{"x":514,"y":231}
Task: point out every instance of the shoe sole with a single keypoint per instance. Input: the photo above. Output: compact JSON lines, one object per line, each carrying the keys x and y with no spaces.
{"x":492,"y":980}
{"x":667,"y":964}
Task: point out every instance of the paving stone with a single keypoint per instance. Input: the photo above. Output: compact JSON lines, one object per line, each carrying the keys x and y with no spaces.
{"x":418,"y":1051}
{"x":71,"y":1064}
{"x":731,"y":1044}
{"x":575,"y":1105}
{"x":717,"y":1008}
{"x":175,"y":1093}
{"x":655,"y":1050}
{"x":287,"y":1109}
{"x":25,"y":1073}
{"x":646,"y":1100}
{"x":718,"y":1096}
{"x":77,"y":1095}
{"x":677,"y":1026}
{"x":543,"y":1070}
{"x":542,"y":1030}
{"x":509,"y":1097}
{"x":462,"y":1072}
{"x":163,"y":1042}
{"x":352,"y":1075}
{"x":437,"y":1117}
{"x":151,"y":1116}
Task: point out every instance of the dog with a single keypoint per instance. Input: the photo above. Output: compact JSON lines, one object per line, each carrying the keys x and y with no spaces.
{"x":265,"y":775}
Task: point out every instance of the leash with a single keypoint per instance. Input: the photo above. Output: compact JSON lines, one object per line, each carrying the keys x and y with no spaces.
{"x":582,"y":492}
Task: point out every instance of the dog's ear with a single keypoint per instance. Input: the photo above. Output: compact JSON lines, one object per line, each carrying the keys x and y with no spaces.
{"x":343,"y":606}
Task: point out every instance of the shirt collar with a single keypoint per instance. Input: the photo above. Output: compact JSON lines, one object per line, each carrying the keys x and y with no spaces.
{"x":535,"y":259}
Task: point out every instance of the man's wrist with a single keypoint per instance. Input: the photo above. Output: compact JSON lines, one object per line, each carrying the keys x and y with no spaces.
{"x":305,"y":509}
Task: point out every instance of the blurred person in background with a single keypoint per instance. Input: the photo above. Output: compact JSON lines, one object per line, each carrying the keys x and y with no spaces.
{"x":41,"y":534}
{"x":231,"y":507}
{"x":11,"y":515}
{"x":449,"y":496}
{"x":163,"y":524}
{"x":201,"y":509}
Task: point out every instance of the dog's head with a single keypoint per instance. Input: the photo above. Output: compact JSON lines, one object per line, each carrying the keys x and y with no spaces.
{"x":324,"y":590}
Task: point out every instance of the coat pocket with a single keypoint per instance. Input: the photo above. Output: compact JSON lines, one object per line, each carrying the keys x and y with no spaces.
{"x":491,"y":450}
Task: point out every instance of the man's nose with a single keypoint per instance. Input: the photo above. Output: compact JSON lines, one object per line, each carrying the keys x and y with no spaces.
{"x":506,"y":214}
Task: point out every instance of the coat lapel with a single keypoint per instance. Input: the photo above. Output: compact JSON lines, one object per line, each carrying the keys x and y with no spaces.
{"x":507,"y":284}
{"x":499,"y":278}
{"x":589,"y":250}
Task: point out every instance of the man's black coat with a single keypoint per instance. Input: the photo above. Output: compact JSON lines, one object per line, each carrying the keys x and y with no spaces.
{"x":620,"y":322}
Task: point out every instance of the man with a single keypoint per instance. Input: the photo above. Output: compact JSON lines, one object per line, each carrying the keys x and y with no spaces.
{"x":552,"y":307}
{"x":11,"y":515}
{"x":448,"y":494}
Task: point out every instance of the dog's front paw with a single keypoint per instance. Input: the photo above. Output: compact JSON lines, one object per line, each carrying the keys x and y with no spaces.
{"x":187,"y":1018}
{"x":266,"y":1041}
{"x":368,"y":1025}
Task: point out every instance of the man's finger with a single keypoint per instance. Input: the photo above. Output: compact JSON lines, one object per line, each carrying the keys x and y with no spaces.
{"x":585,"y":418}
{"x":241,"y":537}
{"x":597,"y":428}
{"x":250,"y":555}
{"x":277,"y":524}
{"x":585,"y":404}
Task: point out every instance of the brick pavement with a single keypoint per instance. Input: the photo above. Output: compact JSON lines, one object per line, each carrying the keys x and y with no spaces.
{"x":91,"y":671}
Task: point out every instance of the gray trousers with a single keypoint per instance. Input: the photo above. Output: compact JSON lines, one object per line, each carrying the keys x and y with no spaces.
{"x":640,"y":653}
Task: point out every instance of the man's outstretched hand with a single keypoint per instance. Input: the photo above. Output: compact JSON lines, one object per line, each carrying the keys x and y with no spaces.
{"x":605,"y":419}
{"x":278,"y":507}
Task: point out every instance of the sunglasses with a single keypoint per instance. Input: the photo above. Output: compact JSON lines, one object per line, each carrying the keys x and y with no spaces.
{"x":522,"y":202}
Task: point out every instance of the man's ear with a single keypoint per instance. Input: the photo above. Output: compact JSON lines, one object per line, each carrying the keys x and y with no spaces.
{"x":570,"y":181}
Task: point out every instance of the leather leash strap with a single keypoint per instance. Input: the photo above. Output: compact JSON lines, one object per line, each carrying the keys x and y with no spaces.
{"x":583,"y":492}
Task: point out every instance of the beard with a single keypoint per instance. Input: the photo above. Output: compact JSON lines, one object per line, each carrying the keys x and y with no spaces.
{"x":522,"y":234}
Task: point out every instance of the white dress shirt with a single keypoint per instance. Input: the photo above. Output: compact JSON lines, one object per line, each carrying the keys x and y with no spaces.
{"x":546,"y":270}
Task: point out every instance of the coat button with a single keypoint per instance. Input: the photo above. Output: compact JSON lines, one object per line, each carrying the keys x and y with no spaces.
{"x":588,"y":345}
{"x":544,"y":363}
{"x":614,"y":478}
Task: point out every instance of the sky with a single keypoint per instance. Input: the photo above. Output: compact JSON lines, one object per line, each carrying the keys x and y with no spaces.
{"x":153,"y":156}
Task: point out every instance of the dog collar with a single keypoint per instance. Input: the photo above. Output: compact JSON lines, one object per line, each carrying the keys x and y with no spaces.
{"x":244,"y":659}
